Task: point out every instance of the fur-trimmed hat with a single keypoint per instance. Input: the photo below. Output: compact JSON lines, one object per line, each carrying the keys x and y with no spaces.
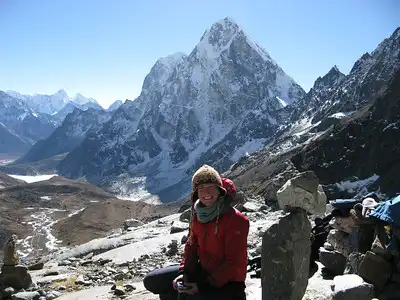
{"x":206,"y":175}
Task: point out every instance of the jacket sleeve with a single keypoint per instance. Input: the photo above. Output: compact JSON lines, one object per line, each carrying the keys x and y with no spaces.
{"x":190,"y":258}
{"x":235,"y":255}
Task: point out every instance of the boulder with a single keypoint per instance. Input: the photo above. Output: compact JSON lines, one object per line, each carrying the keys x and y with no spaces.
{"x":375,"y":269}
{"x":361,"y":238}
{"x":328,"y":246}
{"x":303,"y":191}
{"x":350,"y":287}
{"x":185,"y":216}
{"x":333,"y":261}
{"x":286,"y":250}
{"x":172,"y":248}
{"x":346,"y":224}
{"x":250,"y":207}
{"x":178,"y":226}
{"x":132,"y":223}
{"x":26,"y":296}
{"x":36,"y":266}
{"x":340,"y":241}
{"x":16,"y":277}
{"x":353,"y":263}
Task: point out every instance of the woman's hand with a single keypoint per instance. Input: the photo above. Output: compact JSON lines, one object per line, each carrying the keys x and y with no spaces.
{"x":193,"y":290}
{"x":175,"y":281}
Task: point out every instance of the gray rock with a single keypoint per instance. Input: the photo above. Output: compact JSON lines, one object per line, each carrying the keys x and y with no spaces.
{"x":53,"y":295}
{"x":64,"y":263}
{"x":328,"y":246}
{"x":185,"y":216}
{"x":119,"y":276}
{"x":62,"y":288}
{"x":350,"y":287}
{"x":26,"y":296}
{"x":132,"y":223}
{"x":375,"y":269}
{"x":81,"y":281}
{"x":8,"y":291}
{"x":303,"y":191}
{"x":332,"y":260}
{"x":178,"y":226}
{"x":129,"y":287}
{"x":361,"y":238}
{"x":184,"y":239}
{"x":340,"y":241}
{"x":250,"y":207}
{"x":50,"y":273}
{"x":286,"y":250}
{"x":353,"y":263}
{"x":346,"y":224}
{"x":36,"y":266}
{"x":119,"y":291}
{"x":172,"y":248}
{"x":16,"y":277}
{"x":88,"y":256}
{"x":86,"y":262}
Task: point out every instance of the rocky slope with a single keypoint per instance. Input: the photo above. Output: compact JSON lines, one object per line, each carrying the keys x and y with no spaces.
{"x":217,"y":103}
{"x":365,"y":147}
{"x":358,"y":154}
{"x":336,"y":96}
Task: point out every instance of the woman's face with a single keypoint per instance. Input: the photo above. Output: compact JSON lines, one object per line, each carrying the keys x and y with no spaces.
{"x":208,"y":194}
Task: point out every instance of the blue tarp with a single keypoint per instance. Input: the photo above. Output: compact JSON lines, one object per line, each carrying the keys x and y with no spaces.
{"x":388,"y":211}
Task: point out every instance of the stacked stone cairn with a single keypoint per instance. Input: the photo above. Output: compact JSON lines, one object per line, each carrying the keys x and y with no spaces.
{"x":286,"y":243}
{"x":14,"y":277}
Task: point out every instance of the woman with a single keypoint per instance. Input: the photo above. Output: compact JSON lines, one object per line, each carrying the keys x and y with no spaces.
{"x":215,"y":259}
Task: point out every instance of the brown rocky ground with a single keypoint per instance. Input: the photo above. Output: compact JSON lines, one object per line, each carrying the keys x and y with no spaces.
{"x":70,"y":211}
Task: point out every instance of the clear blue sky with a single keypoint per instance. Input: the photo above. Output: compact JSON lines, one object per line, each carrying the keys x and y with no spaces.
{"x":104,"y":49}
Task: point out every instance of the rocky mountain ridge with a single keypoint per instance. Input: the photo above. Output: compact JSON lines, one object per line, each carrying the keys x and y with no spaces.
{"x":52,"y":104}
{"x":21,"y":126}
{"x":68,"y":136}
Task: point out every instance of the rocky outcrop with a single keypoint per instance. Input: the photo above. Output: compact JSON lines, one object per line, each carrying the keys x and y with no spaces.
{"x":286,"y":249}
{"x":303,"y":191}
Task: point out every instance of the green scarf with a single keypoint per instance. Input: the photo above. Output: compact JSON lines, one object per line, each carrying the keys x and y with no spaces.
{"x":206,"y":214}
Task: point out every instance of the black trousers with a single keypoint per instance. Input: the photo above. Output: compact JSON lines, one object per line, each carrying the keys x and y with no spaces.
{"x":159,"y":282}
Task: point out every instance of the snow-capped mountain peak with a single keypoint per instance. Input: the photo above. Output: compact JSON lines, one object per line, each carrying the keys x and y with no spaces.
{"x":332,"y":78}
{"x":115,"y":105}
{"x":81,"y":100}
{"x":220,"y":101}
{"x":52,"y":104}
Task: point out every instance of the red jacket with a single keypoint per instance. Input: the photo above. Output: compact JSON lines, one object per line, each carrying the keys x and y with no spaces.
{"x":222,"y":254}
